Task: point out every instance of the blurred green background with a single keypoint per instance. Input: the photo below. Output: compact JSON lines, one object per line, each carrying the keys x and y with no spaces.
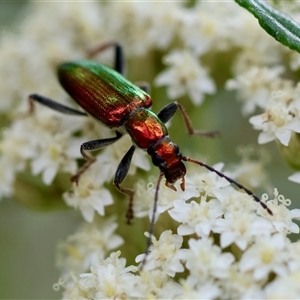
{"x":28,"y":238}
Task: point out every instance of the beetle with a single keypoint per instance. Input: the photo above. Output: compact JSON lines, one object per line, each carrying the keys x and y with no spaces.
{"x":109,"y":97}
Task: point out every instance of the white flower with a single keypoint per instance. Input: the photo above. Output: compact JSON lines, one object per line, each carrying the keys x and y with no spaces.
{"x":185,"y":75}
{"x":55,"y":155}
{"x":109,"y":279}
{"x":258,"y":49}
{"x":156,"y":284}
{"x":43,"y":139}
{"x":18,"y":144}
{"x":206,"y":290}
{"x":143,"y":32}
{"x":240,"y":285}
{"x":282,"y":216}
{"x":203,"y":28}
{"x":284,"y":287}
{"x":196,"y":217}
{"x":81,"y":250}
{"x":276,"y":122}
{"x":89,"y":195}
{"x":164,"y":254}
{"x":198,"y":29}
{"x":208,"y":182}
{"x":293,"y":254}
{"x":265,"y":256}
{"x":236,"y":201}
{"x":254,"y":86}
{"x":163,"y":28}
{"x":144,"y":197}
{"x":205,"y":261}
{"x":241,"y":228}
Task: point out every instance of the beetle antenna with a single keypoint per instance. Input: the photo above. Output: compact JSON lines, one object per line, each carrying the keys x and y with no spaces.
{"x":230,"y":180}
{"x":151,"y":229}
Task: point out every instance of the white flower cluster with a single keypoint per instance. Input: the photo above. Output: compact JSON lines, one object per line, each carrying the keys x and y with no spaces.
{"x":226,"y":245}
{"x":82,"y":249}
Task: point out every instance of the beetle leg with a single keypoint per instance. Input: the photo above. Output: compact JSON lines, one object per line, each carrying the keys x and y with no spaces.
{"x":90,"y":146}
{"x":120,"y":175}
{"x":53,"y":105}
{"x":168,"y":112}
{"x":119,"y":62}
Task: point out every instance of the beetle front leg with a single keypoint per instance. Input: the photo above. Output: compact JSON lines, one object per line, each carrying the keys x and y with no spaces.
{"x":90,"y":146}
{"x":121,"y":173}
{"x":168,"y":112}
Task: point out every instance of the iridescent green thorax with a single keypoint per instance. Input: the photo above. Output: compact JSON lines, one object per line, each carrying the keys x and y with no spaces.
{"x":101,"y":91}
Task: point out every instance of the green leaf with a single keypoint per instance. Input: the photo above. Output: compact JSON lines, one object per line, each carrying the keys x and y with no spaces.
{"x":280,"y":26}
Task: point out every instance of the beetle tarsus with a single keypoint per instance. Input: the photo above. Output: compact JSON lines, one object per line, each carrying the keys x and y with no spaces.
{"x":75,"y":178}
{"x":130,"y":193}
{"x":129,"y":213}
